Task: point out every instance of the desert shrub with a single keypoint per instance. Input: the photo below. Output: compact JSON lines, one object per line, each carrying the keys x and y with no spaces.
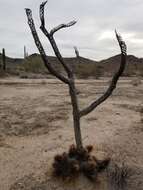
{"x":33,"y":64}
{"x":88,"y":70}
{"x":2,"y":73}
{"x":71,"y":164}
{"x":118,"y":176}
{"x":43,"y":82}
{"x":23,"y":75}
{"x":136,"y":82}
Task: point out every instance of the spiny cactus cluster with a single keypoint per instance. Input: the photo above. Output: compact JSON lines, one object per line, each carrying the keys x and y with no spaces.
{"x":76,"y":161}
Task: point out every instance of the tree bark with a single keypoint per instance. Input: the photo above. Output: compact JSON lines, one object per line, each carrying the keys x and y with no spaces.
{"x":76,"y":116}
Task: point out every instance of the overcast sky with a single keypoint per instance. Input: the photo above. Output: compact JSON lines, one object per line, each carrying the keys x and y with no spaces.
{"x":93,"y":34}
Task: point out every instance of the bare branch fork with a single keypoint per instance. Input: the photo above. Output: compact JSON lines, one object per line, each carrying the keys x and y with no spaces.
{"x":69,"y":79}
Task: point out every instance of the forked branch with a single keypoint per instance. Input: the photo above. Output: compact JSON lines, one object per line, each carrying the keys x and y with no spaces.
{"x":41,"y":49}
{"x":51,"y":39}
{"x":61,"y":26}
{"x":114,"y":81}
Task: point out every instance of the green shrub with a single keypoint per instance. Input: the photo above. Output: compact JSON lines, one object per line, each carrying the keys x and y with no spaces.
{"x":34,"y":65}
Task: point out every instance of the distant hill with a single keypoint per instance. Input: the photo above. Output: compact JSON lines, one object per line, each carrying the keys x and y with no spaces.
{"x":11,"y":62}
{"x":134,"y":65}
{"x":83,"y":67}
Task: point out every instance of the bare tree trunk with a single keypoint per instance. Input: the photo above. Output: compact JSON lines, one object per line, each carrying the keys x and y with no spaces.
{"x":76,"y":116}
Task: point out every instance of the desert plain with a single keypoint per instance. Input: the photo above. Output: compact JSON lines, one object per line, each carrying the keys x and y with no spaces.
{"x":36,"y":124}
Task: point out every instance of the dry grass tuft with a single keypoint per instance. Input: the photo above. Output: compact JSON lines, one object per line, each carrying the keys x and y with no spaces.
{"x":118,"y":176}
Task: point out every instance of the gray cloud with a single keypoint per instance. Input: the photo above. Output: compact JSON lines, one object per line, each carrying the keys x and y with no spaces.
{"x":93,"y":34}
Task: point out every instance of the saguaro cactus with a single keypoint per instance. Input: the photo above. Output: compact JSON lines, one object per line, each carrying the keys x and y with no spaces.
{"x":3,"y":60}
{"x":69,"y":78}
{"x":25,"y":53}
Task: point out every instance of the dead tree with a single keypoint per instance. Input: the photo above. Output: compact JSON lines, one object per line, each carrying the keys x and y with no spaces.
{"x":3,"y":59}
{"x":76,"y":52}
{"x":69,"y":78}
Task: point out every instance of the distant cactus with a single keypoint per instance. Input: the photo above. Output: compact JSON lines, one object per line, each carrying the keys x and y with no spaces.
{"x":76,"y":52}
{"x":25,"y":53}
{"x":3,"y":60}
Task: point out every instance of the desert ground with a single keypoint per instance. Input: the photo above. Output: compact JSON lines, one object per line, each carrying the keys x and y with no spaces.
{"x":36,"y":124}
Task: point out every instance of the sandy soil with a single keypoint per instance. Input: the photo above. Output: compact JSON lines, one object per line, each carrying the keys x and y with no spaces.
{"x":36,"y":124}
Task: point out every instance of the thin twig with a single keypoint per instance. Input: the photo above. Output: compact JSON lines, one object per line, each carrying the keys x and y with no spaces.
{"x":61,"y":26}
